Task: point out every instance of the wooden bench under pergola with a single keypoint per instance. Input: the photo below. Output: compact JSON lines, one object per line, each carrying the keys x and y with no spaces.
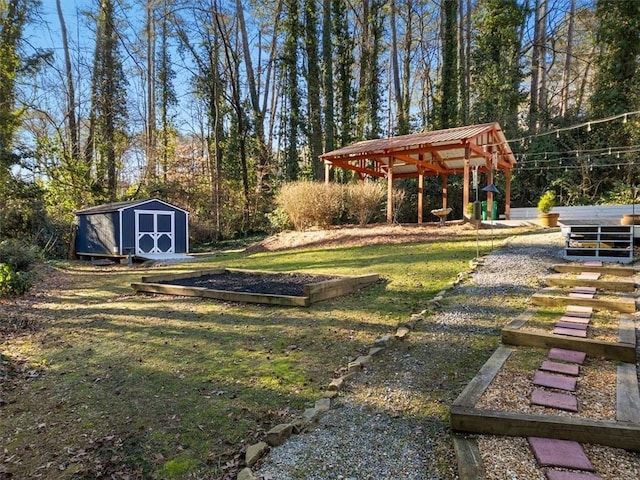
{"x":455,"y":151}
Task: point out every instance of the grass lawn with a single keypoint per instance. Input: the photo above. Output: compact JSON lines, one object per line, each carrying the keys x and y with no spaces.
{"x":116,"y":385}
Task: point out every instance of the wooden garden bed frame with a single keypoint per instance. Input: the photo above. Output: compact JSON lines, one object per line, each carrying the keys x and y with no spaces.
{"x":624,"y":432}
{"x":313,"y":292}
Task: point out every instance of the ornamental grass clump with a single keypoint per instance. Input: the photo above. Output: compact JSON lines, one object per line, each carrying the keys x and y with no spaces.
{"x":308,"y":204}
{"x":363,"y":200}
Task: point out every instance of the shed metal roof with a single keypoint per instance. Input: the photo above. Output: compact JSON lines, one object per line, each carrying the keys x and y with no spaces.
{"x":432,"y":153}
{"x":119,"y":206}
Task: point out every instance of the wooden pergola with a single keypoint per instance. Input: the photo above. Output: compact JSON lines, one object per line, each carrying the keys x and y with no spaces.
{"x":455,"y":151}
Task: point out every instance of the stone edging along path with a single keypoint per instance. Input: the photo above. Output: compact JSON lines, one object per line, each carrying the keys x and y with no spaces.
{"x":279,"y":434}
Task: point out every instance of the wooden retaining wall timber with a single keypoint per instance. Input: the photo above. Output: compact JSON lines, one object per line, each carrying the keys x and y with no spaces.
{"x":624,"y":305}
{"x":623,"y":350}
{"x":609,"y":285}
{"x":615,"y":270}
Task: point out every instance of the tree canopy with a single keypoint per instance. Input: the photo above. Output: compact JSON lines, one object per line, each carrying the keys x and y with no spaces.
{"x":212,"y":105}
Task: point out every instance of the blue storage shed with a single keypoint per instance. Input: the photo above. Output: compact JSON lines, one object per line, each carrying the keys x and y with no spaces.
{"x":141,"y":227}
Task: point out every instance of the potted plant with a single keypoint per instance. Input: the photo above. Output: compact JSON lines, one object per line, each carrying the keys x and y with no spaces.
{"x":545,"y":204}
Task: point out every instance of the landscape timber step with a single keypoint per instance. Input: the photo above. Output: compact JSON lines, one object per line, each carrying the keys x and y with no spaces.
{"x":557,"y":367}
{"x":620,"y":304}
{"x":570,"y":356}
{"x":551,"y":452}
{"x":627,"y":394}
{"x":470,"y":463}
{"x":594,"y":263}
{"x":559,"y":401}
{"x":466,"y":418}
{"x":621,"y":285}
{"x":552,"y":380}
{"x":615,"y":270}
{"x":570,"y":332}
{"x":622,"y":350}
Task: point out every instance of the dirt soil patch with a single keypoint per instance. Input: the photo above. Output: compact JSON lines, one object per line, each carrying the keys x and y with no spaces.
{"x":290,"y":284}
{"x":353,"y":236}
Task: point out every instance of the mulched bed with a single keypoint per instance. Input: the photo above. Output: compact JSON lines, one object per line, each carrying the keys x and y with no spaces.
{"x":290,"y":284}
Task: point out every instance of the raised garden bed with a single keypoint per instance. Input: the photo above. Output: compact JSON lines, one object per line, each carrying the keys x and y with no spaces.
{"x":253,"y":286}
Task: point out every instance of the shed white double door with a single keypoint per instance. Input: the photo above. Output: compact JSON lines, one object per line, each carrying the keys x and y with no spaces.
{"x":155,"y":232}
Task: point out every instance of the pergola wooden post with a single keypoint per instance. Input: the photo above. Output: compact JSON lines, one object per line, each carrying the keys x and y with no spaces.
{"x":489,"y":195}
{"x":466,"y":172}
{"x":390,"y":191}
{"x":445,"y":190}
{"x":420,"y":193}
{"x":507,"y":194}
{"x":327,"y":172}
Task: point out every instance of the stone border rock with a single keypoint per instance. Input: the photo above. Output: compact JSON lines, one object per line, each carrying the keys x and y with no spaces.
{"x":280,"y":433}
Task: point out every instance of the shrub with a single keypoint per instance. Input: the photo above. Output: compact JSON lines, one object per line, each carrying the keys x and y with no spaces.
{"x":398,"y":197}
{"x":12,"y":282}
{"x":547,"y":201}
{"x":308,"y":204}
{"x":19,"y":255}
{"x":363,"y":200}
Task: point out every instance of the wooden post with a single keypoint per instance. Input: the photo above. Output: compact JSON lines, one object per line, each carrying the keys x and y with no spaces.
{"x":465,"y":187}
{"x":420,"y":193}
{"x":327,"y":171}
{"x":507,"y":194}
{"x":445,"y":188}
{"x":390,"y":191}
{"x":489,"y":195}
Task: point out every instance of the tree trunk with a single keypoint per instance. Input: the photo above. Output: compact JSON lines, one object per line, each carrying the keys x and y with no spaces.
{"x":327,"y":78}
{"x":71,"y":96}
{"x":401,"y":122}
{"x":150,"y":143}
{"x":566,"y":71}
{"x":313,"y":88}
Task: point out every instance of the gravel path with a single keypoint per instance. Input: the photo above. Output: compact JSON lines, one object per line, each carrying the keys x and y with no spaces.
{"x":392,"y":420}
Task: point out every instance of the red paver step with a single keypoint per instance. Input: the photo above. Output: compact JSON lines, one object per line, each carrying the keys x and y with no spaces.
{"x":550,"y":452}
{"x":564,"y":475}
{"x":589,"y":276}
{"x":561,"y":401}
{"x":565,"y":355}
{"x":584,"y":290}
{"x":581,"y":320}
{"x":570,"y":332}
{"x":574,"y":325}
{"x":552,"y":380}
{"x":581,"y":295}
{"x":592,"y":264}
{"x":564,"y":368}
{"x":577,"y":311}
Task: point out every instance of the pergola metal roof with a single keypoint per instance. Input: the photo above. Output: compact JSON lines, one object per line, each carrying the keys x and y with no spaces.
{"x":440,"y":152}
